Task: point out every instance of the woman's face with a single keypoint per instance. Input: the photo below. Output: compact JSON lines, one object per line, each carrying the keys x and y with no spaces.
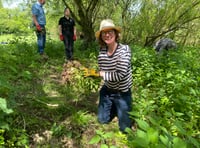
{"x":108,"y":36}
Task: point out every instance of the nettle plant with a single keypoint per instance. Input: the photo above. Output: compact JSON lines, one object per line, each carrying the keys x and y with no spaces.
{"x":166,"y":98}
{"x":4,"y":112}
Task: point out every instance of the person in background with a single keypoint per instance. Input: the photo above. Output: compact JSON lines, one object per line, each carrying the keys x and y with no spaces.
{"x":115,"y":69}
{"x":67,"y":33}
{"x":39,"y":21}
{"x":165,"y":44}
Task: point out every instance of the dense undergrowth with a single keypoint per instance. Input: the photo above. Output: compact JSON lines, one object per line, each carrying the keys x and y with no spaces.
{"x":38,"y":110}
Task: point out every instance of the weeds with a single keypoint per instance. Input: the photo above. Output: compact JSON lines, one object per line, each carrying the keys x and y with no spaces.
{"x":47,"y":112}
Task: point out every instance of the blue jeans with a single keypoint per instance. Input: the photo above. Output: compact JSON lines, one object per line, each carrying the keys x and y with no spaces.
{"x":41,"y":39}
{"x":113,"y":104}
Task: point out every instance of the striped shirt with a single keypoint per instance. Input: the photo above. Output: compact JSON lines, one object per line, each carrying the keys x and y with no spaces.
{"x":117,"y":68}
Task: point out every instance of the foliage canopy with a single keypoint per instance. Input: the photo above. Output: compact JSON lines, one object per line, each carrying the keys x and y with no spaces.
{"x":143,"y":22}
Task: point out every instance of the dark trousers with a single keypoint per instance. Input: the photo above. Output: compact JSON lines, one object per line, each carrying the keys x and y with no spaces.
{"x":113,"y":104}
{"x":69,"y":46}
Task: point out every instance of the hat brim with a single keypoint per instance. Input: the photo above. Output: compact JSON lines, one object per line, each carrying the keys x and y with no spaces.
{"x":97,"y":34}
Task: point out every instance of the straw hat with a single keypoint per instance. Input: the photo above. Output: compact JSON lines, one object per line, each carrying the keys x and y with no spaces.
{"x":107,"y":24}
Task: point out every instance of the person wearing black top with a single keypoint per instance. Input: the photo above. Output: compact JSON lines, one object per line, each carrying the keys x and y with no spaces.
{"x":67,"y":33}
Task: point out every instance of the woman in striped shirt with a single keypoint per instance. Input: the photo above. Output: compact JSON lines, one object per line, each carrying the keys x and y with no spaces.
{"x":115,"y":68}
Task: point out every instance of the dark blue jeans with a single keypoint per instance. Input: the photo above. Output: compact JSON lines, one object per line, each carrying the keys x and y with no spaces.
{"x":41,"y":39}
{"x":113,"y":104}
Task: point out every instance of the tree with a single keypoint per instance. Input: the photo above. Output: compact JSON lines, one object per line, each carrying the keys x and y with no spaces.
{"x":86,"y":14}
{"x":143,"y":22}
{"x":165,"y":18}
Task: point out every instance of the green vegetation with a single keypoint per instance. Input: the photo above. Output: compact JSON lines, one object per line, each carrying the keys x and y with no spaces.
{"x":42,"y":108}
{"x":166,"y":93}
{"x":143,"y":21}
{"x":48,"y":103}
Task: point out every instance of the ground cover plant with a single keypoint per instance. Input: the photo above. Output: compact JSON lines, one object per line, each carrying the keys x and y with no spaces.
{"x":166,"y":93}
{"x":48,"y":103}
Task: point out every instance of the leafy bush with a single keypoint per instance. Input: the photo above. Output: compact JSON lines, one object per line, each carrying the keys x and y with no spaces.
{"x":15,"y":73}
{"x":166,"y":98}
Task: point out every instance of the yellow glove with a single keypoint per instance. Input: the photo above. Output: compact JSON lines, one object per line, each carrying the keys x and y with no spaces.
{"x":90,"y":73}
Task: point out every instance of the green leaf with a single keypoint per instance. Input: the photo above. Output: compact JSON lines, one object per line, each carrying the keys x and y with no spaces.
{"x":179,"y":143}
{"x":154,"y":121}
{"x":164,"y":130}
{"x":180,"y":128}
{"x":141,"y":134}
{"x":108,"y":135}
{"x":143,"y":124}
{"x":113,"y":146}
{"x":104,"y":146}
{"x":194,"y":142}
{"x":96,"y":139}
{"x":4,"y":125}
{"x":135,"y":113}
{"x":99,"y":132}
{"x":192,"y":91}
{"x":13,"y":69}
{"x":170,"y":82}
{"x":178,"y":114}
{"x":164,"y":140}
{"x":3,"y":106}
{"x":169,"y":75}
{"x":27,"y":74}
{"x":148,"y":75}
{"x":141,"y":138}
{"x":140,"y":142}
{"x":153,"y":135}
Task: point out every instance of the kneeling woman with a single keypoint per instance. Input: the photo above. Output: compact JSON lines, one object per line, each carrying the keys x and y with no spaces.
{"x":114,"y":61}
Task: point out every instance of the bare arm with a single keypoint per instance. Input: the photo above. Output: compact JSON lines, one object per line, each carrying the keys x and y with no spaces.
{"x":35,"y":20}
{"x":74,"y":30}
{"x":60,"y":29}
